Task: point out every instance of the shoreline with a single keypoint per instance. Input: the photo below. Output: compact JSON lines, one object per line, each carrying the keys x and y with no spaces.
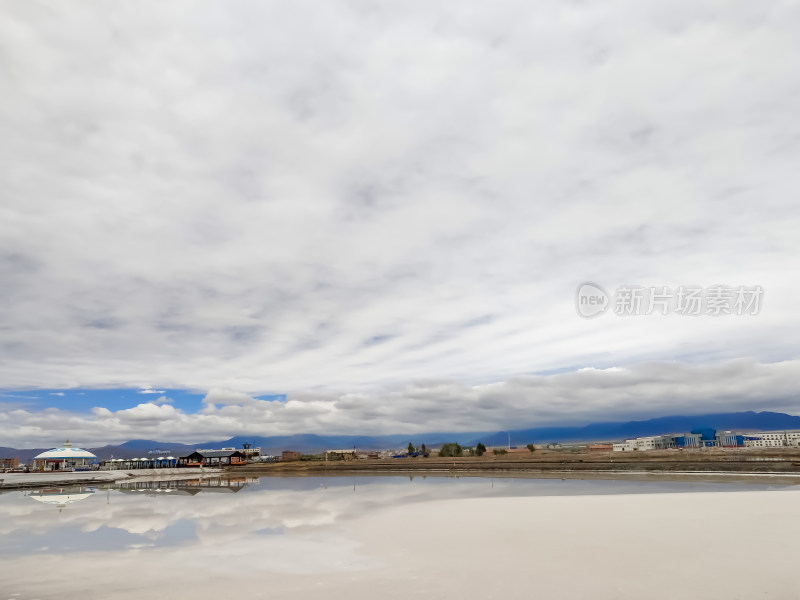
{"x":20,"y":481}
{"x":786,"y":464}
{"x":783,"y":468}
{"x":104,"y":478}
{"x":783,"y":479}
{"x":610,"y":475}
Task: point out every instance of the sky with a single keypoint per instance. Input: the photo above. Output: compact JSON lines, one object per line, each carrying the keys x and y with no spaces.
{"x":239,"y":217}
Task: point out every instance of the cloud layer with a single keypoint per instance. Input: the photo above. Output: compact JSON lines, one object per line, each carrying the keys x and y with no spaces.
{"x":586,"y":395}
{"x":337,"y":201}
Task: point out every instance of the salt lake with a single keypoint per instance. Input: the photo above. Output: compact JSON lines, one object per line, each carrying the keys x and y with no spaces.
{"x":398,"y":536}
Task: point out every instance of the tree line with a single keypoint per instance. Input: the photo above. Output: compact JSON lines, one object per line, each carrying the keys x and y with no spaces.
{"x":454,"y":450}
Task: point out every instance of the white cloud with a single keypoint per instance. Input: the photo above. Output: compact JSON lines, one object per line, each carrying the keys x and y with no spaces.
{"x":339,"y":205}
{"x":643,"y":391}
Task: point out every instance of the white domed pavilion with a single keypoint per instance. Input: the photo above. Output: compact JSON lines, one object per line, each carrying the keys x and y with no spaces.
{"x":64,"y":458}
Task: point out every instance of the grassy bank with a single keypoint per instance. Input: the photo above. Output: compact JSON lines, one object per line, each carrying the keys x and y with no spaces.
{"x":785,"y":461}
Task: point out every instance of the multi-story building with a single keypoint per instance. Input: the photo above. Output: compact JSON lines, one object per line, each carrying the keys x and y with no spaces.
{"x":9,"y":463}
{"x":772,"y":439}
{"x":688,"y":440}
{"x":729,"y":439}
{"x":290,"y":455}
{"x":679,"y":440}
{"x":721,"y":439}
{"x":653,"y":442}
{"x":250,"y":453}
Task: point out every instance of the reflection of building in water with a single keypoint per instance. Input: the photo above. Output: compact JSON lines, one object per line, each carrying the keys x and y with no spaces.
{"x":65,"y":458}
{"x":186,"y":487}
{"x":61,"y":496}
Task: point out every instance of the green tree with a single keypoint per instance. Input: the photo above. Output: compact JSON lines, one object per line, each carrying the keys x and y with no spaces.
{"x":410,"y":448}
{"x":307,"y":457}
{"x":423,"y":449}
{"x":499,"y":451}
{"x":531,"y":447}
{"x":451,"y":450}
{"x":480,"y":449}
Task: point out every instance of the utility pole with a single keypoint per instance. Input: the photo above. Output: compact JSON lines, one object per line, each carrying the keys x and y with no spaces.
{"x":509,"y":441}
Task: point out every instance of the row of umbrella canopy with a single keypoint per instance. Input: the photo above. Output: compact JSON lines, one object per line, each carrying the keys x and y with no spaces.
{"x":158,"y":459}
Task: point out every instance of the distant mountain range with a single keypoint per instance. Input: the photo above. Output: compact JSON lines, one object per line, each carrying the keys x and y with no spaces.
{"x":311,"y":443}
{"x":750,"y":421}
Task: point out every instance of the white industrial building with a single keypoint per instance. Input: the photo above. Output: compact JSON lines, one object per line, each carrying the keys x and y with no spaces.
{"x":659,"y":442}
{"x":653,"y":442}
{"x":772,"y":439}
{"x":724,"y":439}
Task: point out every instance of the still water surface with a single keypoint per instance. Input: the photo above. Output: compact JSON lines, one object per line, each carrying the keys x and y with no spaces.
{"x":170,"y":539}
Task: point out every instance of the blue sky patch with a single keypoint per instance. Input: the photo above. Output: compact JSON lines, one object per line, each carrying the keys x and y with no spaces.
{"x":83,"y":400}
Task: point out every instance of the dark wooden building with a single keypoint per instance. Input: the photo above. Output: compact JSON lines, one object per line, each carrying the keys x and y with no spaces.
{"x":212,"y":458}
